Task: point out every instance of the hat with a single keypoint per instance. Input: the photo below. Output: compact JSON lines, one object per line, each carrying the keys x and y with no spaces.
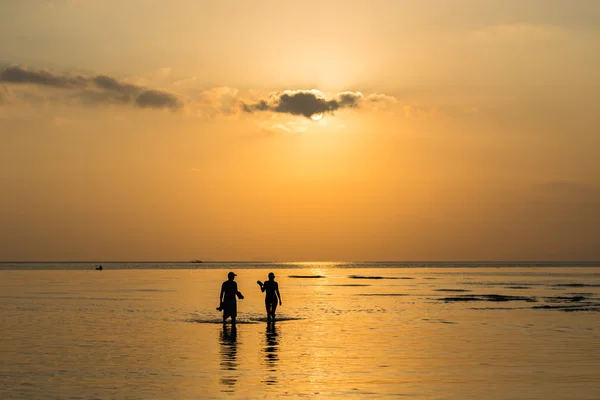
{"x":231,"y":274}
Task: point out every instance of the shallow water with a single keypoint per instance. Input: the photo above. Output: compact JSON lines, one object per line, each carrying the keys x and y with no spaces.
{"x":423,"y":333}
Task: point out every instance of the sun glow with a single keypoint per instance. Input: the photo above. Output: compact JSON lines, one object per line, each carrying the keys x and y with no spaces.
{"x":316,"y":117}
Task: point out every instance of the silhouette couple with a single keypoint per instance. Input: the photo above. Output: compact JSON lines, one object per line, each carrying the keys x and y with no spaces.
{"x":230,"y":294}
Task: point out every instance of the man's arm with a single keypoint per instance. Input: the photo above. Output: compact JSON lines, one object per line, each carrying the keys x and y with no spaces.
{"x":237,"y":293}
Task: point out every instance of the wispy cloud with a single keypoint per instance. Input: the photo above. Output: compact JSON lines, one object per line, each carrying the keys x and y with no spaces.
{"x":93,"y":89}
{"x":219,"y":101}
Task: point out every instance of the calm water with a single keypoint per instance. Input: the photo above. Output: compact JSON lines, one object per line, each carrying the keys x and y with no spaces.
{"x":418,"y":331}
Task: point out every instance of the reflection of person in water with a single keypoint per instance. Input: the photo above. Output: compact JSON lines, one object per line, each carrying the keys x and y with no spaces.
{"x":271,"y":356}
{"x":272,"y":296}
{"x":271,"y":345}
{"x":227,"y":298}
{"x":229,"y":358}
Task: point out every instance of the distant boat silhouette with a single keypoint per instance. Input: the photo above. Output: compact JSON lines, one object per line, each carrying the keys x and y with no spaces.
{"x":99,"y":268}
{"x":197,"y":261}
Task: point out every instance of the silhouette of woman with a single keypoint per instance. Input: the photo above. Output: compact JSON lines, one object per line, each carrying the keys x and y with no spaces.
{"x":272,"y":296}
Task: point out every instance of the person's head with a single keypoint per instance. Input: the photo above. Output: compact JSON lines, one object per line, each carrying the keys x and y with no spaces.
{"x":231,"y":276}
{"x":271,"y":276}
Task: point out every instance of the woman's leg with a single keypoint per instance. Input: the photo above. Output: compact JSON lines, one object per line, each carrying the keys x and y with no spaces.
{"x":268,"y":307}
{"x":273,"y":308}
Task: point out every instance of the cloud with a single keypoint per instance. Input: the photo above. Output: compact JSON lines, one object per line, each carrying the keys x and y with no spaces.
{"x":93,"y":89}
{"x":108,"y":83}
{"x":381,"y":98}
{"x":19,"y":75}
{"x":217,"y":101}
{"x":157,"y":99}
{"x":78,"y":88}
{"x":304,"y":102}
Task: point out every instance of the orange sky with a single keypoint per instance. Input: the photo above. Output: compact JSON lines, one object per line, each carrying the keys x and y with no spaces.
{"x":151,"y":130}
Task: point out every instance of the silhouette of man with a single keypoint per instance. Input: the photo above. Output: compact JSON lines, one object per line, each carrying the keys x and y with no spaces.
{"x":272,"y":296}
{"x":227,"y":298}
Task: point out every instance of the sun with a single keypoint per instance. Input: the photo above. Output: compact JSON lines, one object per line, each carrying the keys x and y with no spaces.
{"x":316,"y":117}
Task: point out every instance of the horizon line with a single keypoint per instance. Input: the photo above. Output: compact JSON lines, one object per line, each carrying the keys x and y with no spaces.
{"x":283,"y":261}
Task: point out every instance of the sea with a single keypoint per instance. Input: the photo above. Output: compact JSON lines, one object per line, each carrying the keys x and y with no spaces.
{"x":394,"y":330}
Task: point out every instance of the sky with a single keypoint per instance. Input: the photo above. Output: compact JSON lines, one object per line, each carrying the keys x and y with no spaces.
{"x":299,"y":131}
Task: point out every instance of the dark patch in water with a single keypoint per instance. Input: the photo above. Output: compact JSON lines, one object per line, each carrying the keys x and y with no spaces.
{"x":439,"y":321}
{"x":575,"y":285}
{"x":306,"y":276}
{"x":518,"y":287}
{"x":566,"y":299}
{"x":512,"y":284}
{"x":487,"y":297}
{"x":452,"y":290}
{"x":375,"y":277}
{"x":571,"y":307}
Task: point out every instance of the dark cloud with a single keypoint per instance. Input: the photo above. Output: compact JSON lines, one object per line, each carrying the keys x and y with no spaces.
{"x":304,"y":102}
{"x":260,"y":106}
{"x":157,"y":99}
{"x":111,"y":84}
{"x":349,"y":99}
{"x":17,"y":74}
{"x":96,"y":89}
